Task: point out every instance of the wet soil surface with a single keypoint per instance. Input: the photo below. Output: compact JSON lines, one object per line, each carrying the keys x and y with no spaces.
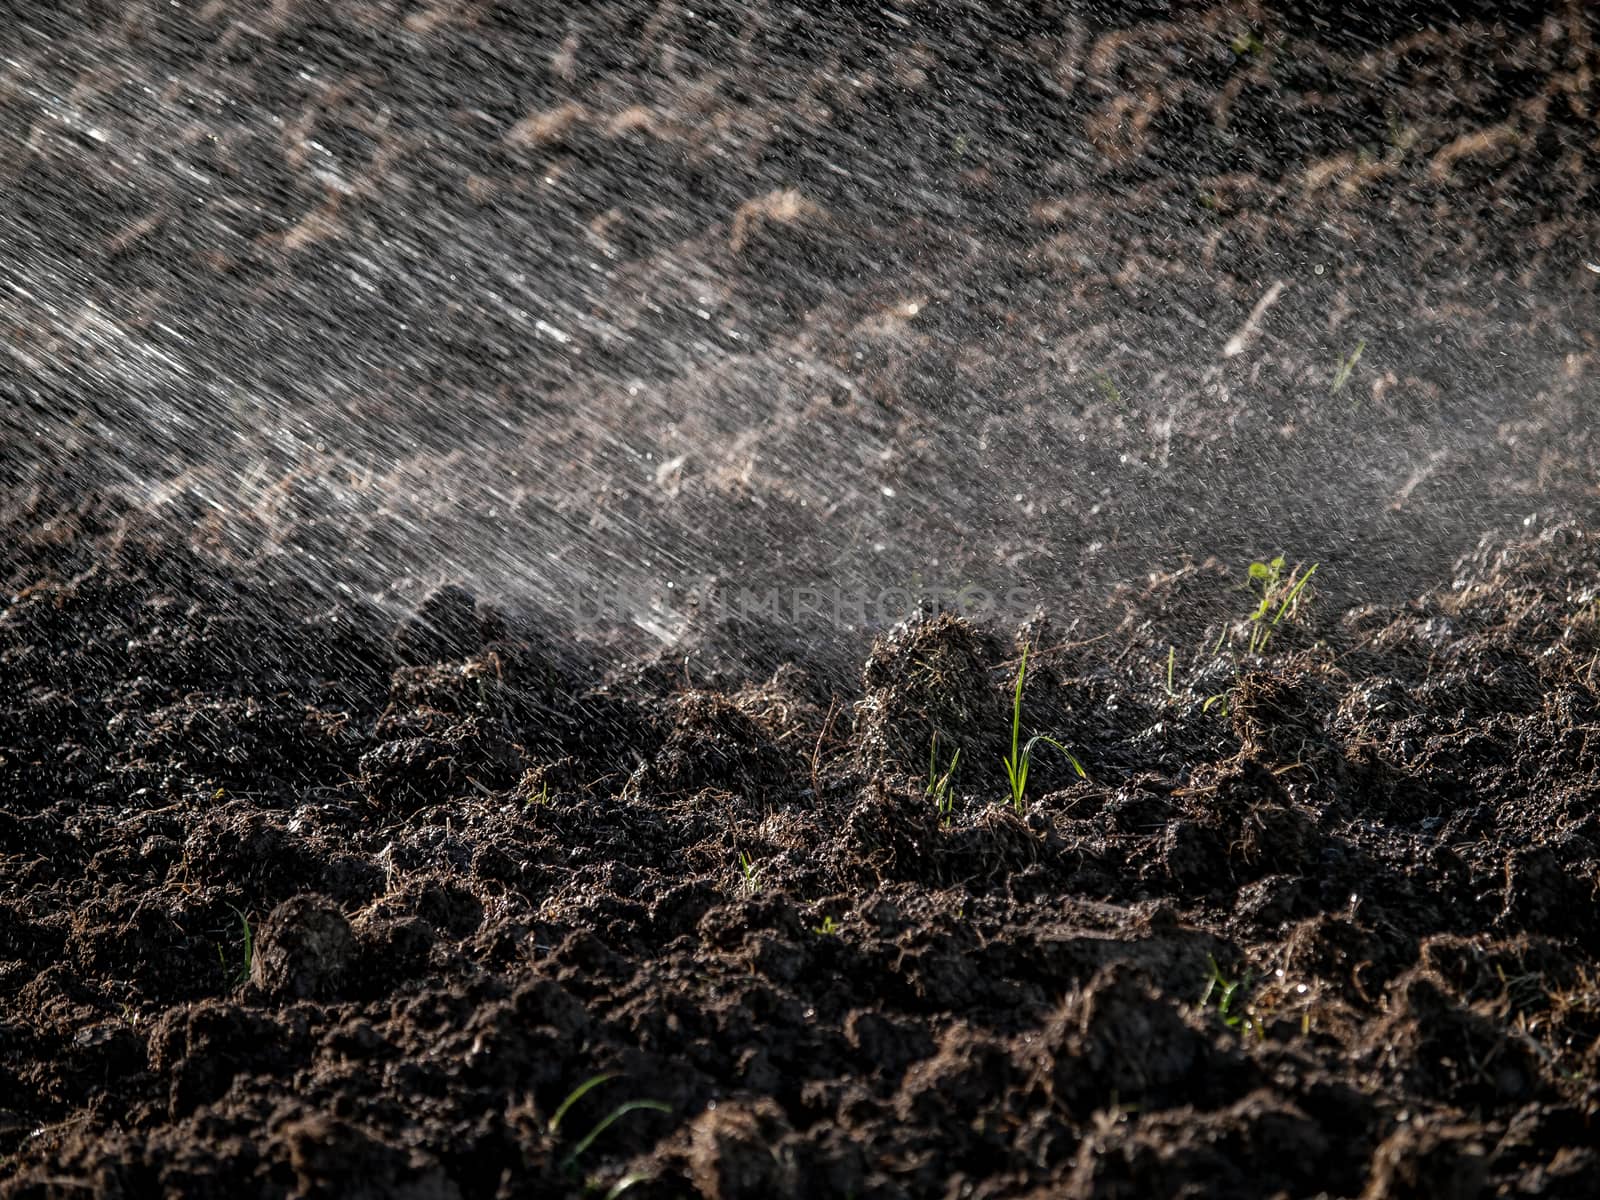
{"x":298,"y":900}
{"x":306,"y":891}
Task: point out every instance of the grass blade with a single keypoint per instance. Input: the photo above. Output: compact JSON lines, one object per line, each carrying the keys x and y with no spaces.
{"x":578,"y":1093}
{"x":610,"y":1119}
{"x":1050,"y":741}
{"x":1017,"y":764}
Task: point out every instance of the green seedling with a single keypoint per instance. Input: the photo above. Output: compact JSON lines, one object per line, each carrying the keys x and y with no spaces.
{"x":610,"y":1119}
{"x":1220,"y":698}
{"x":752,"y":883}
{"x":1347,"y":367}
{"x":1278,"y":593}
{"x":1267,"y":574}
{"x":1027,"y":755}
{"x":1017,"y":766}
{"x":1172,"y":658}
{"x":576,"y":1094}
{"x":941,"y":786}
{"x":538,"y":799}
{"x":1109,"y":391}
{"x":1223,"y":993}
{"x":1248,"y":43}
{"x":1018,"y":761}
{"x":605,"y":1122}
{"x":1221,"y":990}
{"x":828,"y":928}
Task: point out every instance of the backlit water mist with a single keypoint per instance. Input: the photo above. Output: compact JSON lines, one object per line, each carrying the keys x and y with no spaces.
{"x":641,"y":313}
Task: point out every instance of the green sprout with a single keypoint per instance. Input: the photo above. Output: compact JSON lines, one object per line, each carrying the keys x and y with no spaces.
{"x":1347,"y":367}
{"x":1018,"y":762}
{"x":1224,"y":992}
{"x":1172,"y":656}
{"x":1109,"y":391}
{"x":828,"y":928}
{"x":940,"y":786}
{"x":752,"y":882}
{"x":1279,"y":593}
{"x":605,"y":1122}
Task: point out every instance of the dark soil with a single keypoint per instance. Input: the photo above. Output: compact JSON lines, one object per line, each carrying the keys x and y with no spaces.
{"x":1334,"y":934}
{"x":304,"y":893}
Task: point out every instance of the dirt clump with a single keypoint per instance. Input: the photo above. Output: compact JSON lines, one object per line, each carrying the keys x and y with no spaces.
{"x":304,"y":949}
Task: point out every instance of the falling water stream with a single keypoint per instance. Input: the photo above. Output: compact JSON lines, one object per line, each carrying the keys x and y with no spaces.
{"x":668,"y":319}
